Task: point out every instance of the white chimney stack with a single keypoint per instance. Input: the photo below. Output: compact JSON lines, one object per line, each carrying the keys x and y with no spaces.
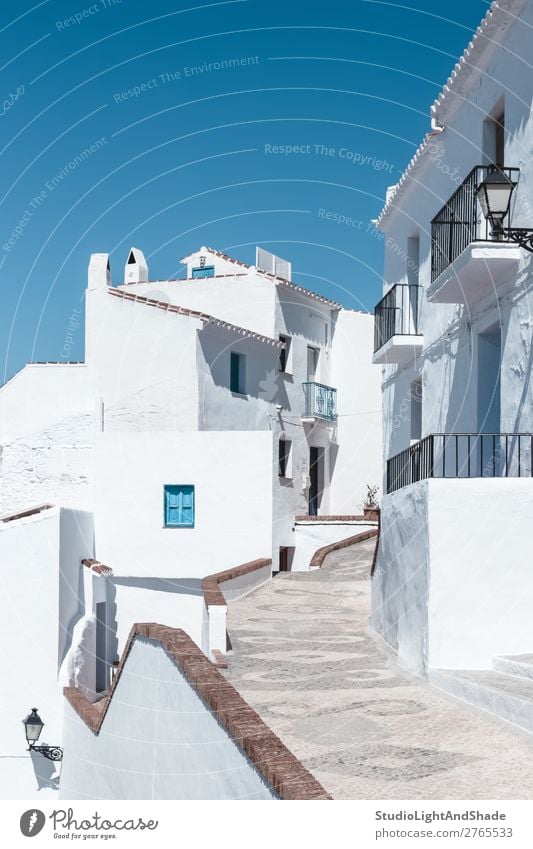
{"x":99,"y":272}
{"x":136,"y":269}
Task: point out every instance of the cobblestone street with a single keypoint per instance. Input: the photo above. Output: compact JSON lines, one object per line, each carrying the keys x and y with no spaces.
{"x":304,"y":659}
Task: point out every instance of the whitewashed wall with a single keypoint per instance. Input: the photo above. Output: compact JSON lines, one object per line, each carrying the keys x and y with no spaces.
{"x":449,"y":361}
{"x":50,"y":466}
{"x":449,"y":591}
{"x":142,"y":363}
{"x":246,"y":300}
{"x":400,"y":584}
{"x":231,"y":472}
{"x":218,"y":407}
{"x":40,"y":395}
{"x":309,"y":537}
{"x":181,"y":752}
{"x":41,"y":602}
{"x":357,"y":460}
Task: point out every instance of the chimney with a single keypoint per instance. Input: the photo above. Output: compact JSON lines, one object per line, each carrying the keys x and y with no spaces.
{"x":136,"y":269}
{"x":99,"y":272}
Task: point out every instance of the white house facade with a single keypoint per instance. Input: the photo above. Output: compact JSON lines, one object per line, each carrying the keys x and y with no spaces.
{"x":452,"y":587}
{"x":228,"y":418}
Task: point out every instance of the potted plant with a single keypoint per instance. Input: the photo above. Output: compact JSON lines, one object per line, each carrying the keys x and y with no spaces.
{"x":371,"y":503}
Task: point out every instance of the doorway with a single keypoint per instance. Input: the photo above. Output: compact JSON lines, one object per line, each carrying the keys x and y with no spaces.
{"x":316,"y":479}
{"x":488,"y":380}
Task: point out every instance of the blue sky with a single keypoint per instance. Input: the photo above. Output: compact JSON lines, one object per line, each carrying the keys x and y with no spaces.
{"x":171,"y":125}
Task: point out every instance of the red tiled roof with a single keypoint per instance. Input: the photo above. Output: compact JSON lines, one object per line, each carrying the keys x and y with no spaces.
{"x":281,"y":280}
{"x":201,"y":316}
{"x":279,"y":767}
{"x":31,"y":511}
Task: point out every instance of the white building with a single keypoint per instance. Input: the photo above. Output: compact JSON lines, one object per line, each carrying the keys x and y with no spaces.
{"x":209,"y":414}
{"x":453,"y":589}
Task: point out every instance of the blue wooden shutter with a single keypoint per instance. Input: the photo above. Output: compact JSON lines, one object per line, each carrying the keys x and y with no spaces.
{"x":187,"y":506}
{"x":179,"y":506}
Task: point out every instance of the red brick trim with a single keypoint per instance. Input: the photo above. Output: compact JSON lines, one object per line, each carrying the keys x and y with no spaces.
{"x":32,"y":511}
{"x":329,"y":518}
{"x":96,"y":566}
{"x":210,"y":584}
{"x":278,"y":766}
{"x":320,"y":555}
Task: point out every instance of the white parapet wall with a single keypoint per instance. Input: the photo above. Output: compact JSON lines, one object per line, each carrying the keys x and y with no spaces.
{"x":311,"y":535}
{"x":185,"y":752}
{"x":452,"y":586}
{"x":221,"y":588}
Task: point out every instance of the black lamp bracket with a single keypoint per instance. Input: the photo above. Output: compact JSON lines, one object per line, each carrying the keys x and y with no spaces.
{"x":53,"y":753}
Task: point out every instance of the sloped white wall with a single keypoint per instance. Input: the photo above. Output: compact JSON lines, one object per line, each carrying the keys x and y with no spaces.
{"x":158,"y":741}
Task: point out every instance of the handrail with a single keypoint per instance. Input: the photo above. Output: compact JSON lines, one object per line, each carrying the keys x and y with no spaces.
{"x":320,"y":401}
{"x":396,"y":313}
{"x":460,"y":221}
{"x":462,"y":455}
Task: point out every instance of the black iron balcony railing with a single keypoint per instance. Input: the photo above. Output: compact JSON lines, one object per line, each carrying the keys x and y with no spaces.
{"x":320,"y":401}
{"x":462,"y":455}
{"x":461,"y":221}
{"x":396,"y":313}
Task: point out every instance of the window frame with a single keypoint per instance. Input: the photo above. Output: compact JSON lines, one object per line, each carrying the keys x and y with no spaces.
{"x":181,"y":489}
{"x":201,"y":268}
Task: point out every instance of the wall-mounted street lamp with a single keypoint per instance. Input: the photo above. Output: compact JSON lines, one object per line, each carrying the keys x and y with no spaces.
{"x":33,"y":725}
{"x":494,"y":195}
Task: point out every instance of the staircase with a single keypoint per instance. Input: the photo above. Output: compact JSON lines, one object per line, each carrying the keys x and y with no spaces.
{"x":506,"y":690}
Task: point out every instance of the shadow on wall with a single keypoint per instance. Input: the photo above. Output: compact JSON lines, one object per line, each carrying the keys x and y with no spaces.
{"x":46,"y":772}
{"x":186,"y":586}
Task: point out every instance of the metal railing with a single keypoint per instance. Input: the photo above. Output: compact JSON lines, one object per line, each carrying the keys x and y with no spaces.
{"x":462,"y":455}
{"x":396,"y":313}
{"x":461,"y":221}
{"x":320,"y":401}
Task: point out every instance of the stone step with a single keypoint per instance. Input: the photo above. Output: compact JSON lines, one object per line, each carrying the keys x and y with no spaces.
{"x":514,"y":664}
{"x":505,"y":696}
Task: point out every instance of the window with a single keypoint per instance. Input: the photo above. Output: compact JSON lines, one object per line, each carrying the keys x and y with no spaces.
{"x":204,"y":271}
{"x":237,"y":378}
{"x":416,"y":410}
{"x":312,"y":364}
{"x":284,"y":364}
{"x":179,"y":506}
{"x":284,"y":458}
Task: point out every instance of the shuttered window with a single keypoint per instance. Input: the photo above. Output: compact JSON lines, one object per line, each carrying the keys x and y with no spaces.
{"x":179,"y":506}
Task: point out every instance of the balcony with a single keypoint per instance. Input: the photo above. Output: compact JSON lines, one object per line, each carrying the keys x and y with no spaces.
{"x":469,"y":259}
{"x":462,"y":455}
{"x":396,"y":336}
{"x":320,"y":402}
